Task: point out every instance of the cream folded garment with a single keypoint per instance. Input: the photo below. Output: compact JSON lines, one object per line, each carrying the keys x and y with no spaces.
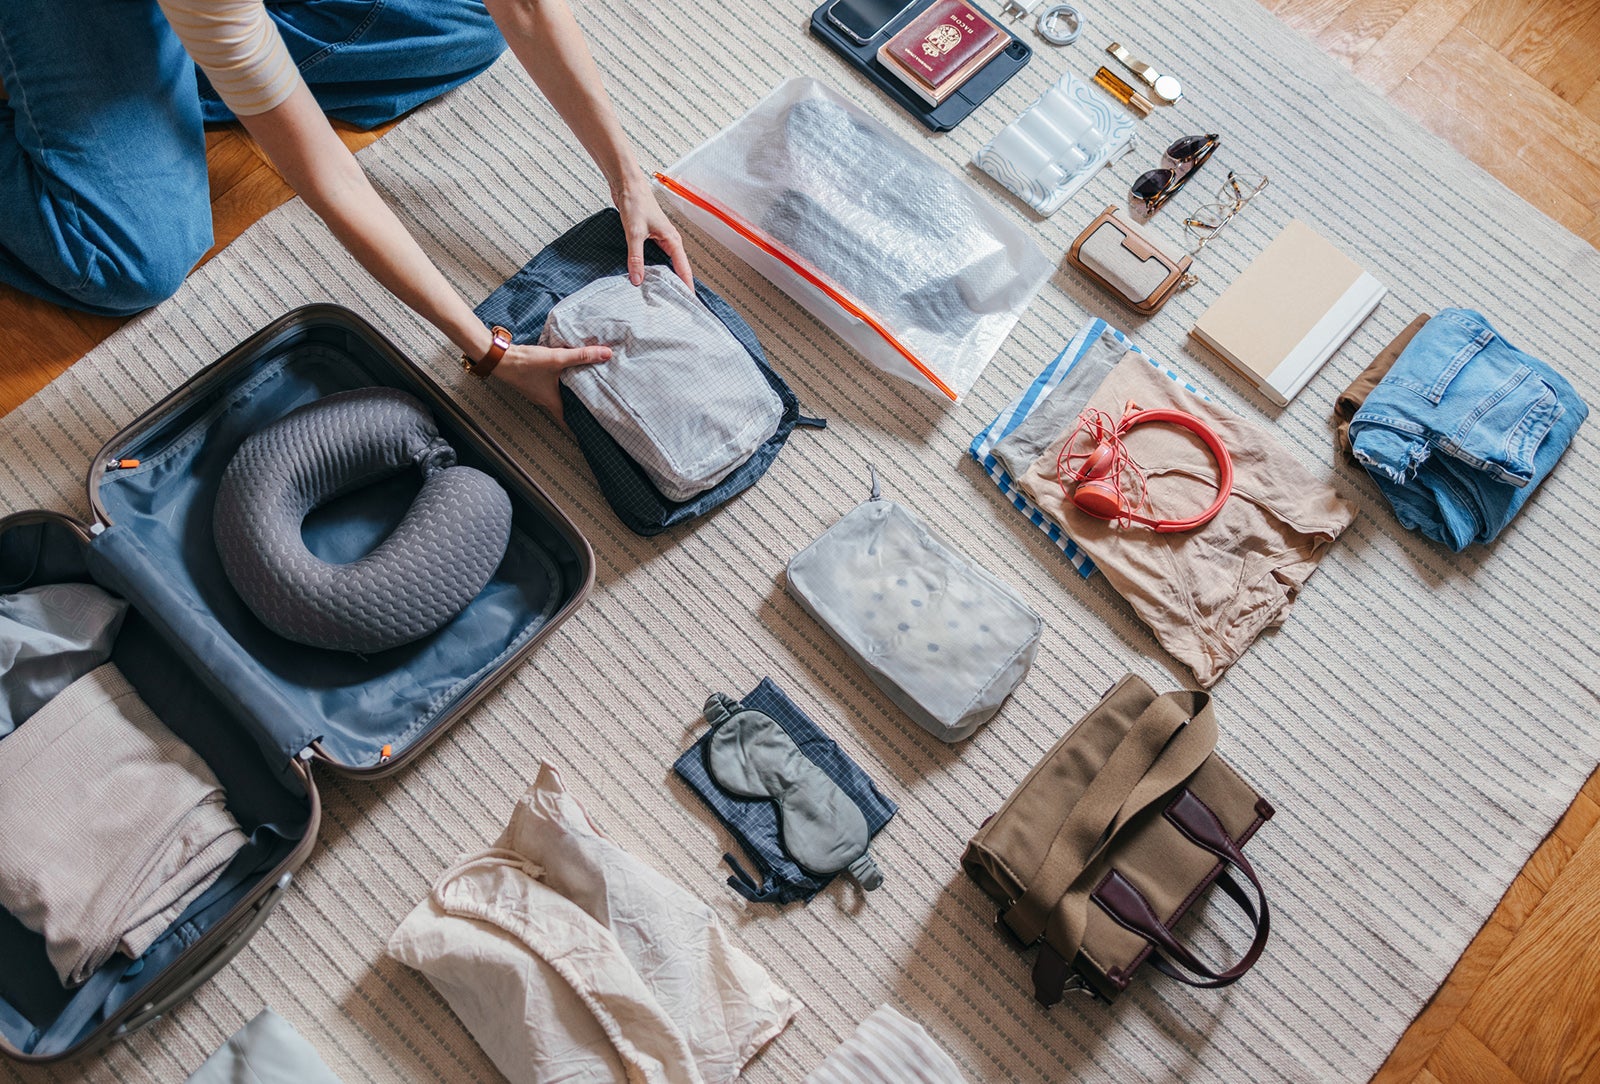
{"x":569,"y":959}
{"x":109,"y":824}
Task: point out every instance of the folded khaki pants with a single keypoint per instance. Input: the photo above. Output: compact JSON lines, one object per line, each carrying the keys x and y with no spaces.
{"x":109,"y":824}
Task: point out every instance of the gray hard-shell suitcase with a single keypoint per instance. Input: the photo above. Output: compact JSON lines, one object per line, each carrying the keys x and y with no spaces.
{"x":265,"y":713}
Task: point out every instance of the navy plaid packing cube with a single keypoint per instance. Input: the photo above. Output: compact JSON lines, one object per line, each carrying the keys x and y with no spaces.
{"x":597,"y":248}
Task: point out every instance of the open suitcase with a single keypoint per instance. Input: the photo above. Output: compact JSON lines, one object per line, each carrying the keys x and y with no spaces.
{"x":266,"y":714}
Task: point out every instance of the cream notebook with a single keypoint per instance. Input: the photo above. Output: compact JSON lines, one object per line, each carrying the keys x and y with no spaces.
{"x":1286,"y":314}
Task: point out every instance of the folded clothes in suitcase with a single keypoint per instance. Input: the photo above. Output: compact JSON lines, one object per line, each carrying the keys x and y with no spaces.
{"x":264,"y":713}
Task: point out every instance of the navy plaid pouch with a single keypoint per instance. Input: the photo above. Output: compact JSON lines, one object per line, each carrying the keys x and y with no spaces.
{"x":597,"y":248}
{"x":754,"y":821}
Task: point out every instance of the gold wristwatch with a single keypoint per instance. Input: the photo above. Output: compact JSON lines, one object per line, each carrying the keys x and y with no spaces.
{"x":1164,"y":87}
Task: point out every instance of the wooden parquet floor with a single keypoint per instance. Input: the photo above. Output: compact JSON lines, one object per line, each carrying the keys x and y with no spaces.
{"x":1513,"y":84}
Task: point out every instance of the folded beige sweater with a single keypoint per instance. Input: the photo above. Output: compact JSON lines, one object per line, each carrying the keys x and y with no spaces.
{"x":109,"y":824}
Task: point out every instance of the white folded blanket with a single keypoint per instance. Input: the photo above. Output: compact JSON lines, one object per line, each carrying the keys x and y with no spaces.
{"x":109,"y":824}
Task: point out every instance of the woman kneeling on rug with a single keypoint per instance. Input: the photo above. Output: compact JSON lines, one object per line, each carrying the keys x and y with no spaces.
{"x":104,"y":204}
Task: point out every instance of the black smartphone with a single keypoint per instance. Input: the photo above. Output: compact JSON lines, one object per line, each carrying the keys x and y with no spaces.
{"x":863,"y":19}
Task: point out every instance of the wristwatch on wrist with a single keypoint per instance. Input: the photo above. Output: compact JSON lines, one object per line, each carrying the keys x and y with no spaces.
{"x":499,"y":343}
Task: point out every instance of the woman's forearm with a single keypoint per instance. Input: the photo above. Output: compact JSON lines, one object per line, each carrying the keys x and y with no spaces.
{"x":304,"y":148}
{"x":546,"y":39}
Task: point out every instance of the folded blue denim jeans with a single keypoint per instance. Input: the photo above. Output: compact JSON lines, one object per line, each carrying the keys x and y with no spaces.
{"x":1464,"y":427}
{"x":755,"y":823}
{"x":103,"y":198}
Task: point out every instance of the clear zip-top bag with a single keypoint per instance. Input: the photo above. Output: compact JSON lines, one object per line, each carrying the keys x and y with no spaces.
{"x":902,"y":259}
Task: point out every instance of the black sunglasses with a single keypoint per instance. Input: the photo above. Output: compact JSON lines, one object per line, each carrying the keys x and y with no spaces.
{"x":1187,"y":155}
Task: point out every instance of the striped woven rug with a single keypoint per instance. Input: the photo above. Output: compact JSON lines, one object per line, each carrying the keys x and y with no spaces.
{"x":1420,"y":722}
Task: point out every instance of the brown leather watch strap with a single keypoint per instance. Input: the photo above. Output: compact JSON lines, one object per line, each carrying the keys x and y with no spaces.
{"x":499,"y":343}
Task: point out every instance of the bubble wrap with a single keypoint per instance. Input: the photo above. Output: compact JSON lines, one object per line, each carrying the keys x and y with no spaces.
{"x":922,"y":252}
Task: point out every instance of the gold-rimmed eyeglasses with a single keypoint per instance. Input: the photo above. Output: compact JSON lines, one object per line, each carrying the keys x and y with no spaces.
{"x":1208,"y":220}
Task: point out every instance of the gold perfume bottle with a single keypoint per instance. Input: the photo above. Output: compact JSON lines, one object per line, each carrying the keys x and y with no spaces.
{"x":1123,"y":92}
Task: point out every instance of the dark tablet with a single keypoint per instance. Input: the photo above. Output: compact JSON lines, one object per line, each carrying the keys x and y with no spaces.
{"x":863,"y":56}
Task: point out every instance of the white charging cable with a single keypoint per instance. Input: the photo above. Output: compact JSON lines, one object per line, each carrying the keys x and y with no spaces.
{"x":1050,"y":20}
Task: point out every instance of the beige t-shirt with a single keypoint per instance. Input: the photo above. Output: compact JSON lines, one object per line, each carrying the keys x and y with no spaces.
{"x":1206,"y":593}
{"x":238,"y":47}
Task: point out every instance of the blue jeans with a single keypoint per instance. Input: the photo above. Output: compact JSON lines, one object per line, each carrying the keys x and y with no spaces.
{"x":1464,"y":427}
{"x":104,"y":204}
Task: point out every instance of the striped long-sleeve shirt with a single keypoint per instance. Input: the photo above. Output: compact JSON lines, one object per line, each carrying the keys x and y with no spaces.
{"x":239,"y":48}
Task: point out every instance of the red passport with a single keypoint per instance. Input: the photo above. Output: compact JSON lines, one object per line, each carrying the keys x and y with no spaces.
{"x":942,"y":39}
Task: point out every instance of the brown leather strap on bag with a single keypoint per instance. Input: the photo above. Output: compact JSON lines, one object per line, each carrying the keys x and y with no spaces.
{"x":1181,"y":759}
{"x":1123,"y":902}
{"x":1125,"y":905}
{"x":1112,"y":837}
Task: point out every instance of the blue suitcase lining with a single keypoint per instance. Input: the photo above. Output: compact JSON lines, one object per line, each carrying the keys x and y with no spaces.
{"x":271,"y":697}
{"x":159,"y":553}
{"x":37,"y":1014}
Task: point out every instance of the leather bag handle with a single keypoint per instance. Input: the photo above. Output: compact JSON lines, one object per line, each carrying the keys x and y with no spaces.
{"x":1128,"y":907}
{"x":1166,"y":744}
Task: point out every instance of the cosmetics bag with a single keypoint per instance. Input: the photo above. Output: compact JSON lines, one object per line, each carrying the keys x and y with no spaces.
{"x":596,"y":249}
{"x":946,"y":640}
{"x":1113,"y":836}
{"x":1128,"y":263}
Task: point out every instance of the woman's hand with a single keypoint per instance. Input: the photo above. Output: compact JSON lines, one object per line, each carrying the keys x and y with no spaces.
{"x":535,"y":371}
{"x":546,"y":39}
{"x":643,"y":218}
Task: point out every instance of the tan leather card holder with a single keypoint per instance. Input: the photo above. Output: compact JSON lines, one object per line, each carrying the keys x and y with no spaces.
{"x":1129,"y":264}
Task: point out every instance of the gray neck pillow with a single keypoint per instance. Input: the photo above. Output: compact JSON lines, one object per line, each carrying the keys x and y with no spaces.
{"x":444,"y":551}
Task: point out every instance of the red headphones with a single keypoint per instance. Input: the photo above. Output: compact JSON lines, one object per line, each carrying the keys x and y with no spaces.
{"x":1098,"y":478}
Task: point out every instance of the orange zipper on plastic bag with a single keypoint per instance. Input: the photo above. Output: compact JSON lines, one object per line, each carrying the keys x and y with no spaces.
{"x":798,"y":266}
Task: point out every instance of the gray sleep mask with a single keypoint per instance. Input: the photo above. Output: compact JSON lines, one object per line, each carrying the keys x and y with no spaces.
{"x":823,"y":830}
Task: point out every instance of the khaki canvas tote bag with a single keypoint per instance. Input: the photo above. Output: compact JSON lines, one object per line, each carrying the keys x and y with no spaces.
{"x":1113,"y":836}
